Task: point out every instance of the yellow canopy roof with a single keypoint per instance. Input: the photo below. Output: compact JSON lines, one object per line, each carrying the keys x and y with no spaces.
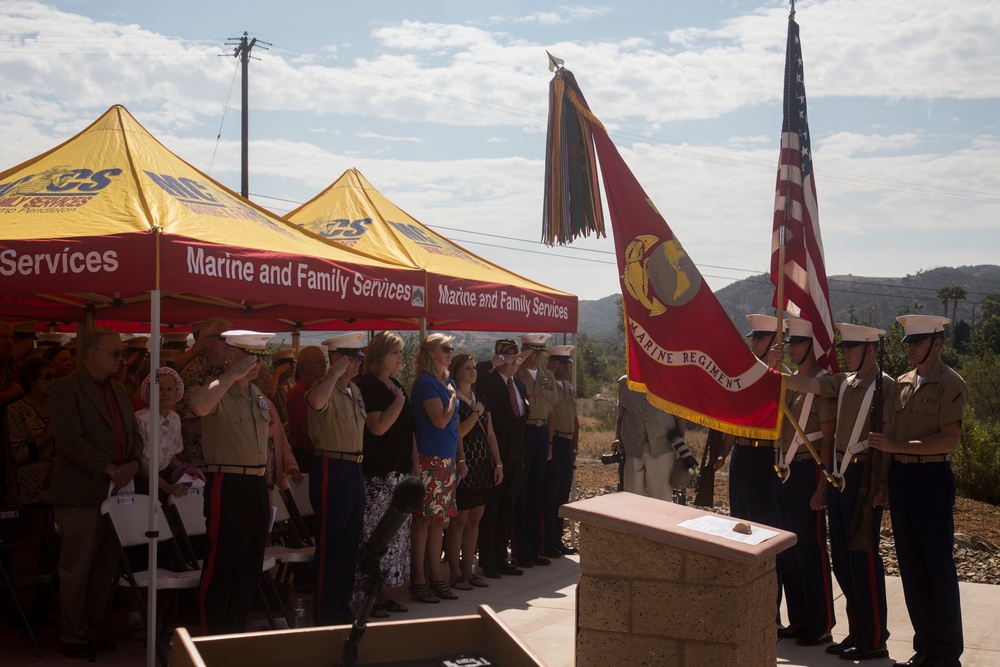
{"x":464,"y":291}
{"x":97,"y":222}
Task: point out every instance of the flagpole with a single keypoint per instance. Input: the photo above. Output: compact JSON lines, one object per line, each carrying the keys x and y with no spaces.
{"x":780,"y":468}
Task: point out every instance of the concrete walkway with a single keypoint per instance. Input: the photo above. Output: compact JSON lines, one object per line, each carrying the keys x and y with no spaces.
{"x":540,"y":607}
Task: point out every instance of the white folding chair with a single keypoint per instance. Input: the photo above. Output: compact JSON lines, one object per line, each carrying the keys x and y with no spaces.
{"x":299,"y":505}
{"x":128,"y":519}
{"x":190,"y":513}
{"x":293,"y":551}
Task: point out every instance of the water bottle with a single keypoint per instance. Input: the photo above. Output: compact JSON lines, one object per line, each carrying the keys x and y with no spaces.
{"x":299,"y":611}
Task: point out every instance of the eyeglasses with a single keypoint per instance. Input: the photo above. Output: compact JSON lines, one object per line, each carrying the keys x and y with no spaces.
{"x":447,"y":349}
{"x":48,"y":375}
{"x":117,"y":354}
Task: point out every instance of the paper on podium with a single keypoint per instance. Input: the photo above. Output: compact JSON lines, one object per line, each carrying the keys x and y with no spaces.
{"x":722,"y":526}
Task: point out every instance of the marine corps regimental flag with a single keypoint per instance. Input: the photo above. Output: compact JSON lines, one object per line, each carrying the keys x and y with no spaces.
{"x":683,"y":350}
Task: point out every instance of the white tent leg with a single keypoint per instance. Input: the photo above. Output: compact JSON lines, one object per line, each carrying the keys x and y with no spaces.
{"x":154,"y":471}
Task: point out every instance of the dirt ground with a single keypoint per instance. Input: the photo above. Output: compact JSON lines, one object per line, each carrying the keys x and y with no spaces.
{"x":977,"y":525}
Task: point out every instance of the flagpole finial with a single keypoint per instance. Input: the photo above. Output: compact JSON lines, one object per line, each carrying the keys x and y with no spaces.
{"x":555,"y":63}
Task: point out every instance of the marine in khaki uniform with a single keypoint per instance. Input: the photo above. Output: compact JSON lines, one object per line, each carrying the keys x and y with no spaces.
{"x":234,"y":423}
{"x":538,"y":433}
{"x":559,"y":470}
{"x":801,"y":507}
{"x":861,"y":574}
{"x":336,"y":426}
{"x":926,"y":429}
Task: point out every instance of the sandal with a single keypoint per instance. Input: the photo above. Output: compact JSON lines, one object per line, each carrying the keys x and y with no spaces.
{"x":423,"y":593}
{"x":477,"y":581}
{"x":442,"y":591}
{"x":395,"y":607}
{"x":378,"y":611}
{"x":460,"y":584}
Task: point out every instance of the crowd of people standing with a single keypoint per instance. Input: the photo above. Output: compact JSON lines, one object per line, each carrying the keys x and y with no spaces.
{"x":491,"y":451}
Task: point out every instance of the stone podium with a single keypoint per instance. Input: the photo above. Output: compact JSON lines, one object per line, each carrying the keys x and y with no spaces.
{"x":653,"y":592}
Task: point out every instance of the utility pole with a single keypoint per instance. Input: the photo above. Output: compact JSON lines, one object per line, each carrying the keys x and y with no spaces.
{"x":242,"y":51}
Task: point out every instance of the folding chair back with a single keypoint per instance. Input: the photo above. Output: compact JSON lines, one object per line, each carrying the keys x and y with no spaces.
{"x":191,"y":511}
{"x":189,"y":520}
{"x":129,"y":516}
{"x":299,"y":492}
{"x":299,"y":505}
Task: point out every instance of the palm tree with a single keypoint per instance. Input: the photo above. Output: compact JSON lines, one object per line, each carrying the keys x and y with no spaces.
{"x":953,"y":293}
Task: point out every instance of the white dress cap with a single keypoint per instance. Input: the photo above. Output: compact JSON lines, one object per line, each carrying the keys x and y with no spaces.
{"x":348,"y":344}
{"x":564,"y":351}
{"x":762,"y":323}
{"x":799,"y":328}
{"x":534,"y":341}
{"x":921,"y":325}
{"x":855,"y":333}
{"x":251,"y":342}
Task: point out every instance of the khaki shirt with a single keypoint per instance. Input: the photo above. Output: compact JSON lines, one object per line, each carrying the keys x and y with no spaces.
{"x":565,"y":412}
{"x":642,"y":423}
{"x":823,"y":409}
{"x":340,"y":425}
{"x":541,"y":392}
{"x":854,"y":395}
{"x":922,"y":411}
{"x":235,"y":432}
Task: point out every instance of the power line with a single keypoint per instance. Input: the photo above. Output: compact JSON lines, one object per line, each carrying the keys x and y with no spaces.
{"x":561,"y":255}
{"x":509,"y":114}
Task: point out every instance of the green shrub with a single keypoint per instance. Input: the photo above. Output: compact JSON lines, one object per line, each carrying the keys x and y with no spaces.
{"x":976,"y":461}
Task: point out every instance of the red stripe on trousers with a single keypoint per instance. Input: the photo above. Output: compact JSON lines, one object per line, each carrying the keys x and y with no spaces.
{"x":213,"y":536}
{"x":873,"y":590}
{"x":321,"y":541}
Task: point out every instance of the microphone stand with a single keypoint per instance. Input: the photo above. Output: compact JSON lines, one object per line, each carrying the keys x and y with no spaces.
{"x":350,"y":655}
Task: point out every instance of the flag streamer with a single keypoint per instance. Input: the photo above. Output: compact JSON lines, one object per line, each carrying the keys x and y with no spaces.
{"x":572,"y":205}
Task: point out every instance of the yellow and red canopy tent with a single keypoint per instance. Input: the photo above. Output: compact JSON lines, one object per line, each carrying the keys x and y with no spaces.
{"x":89,"y":229}
{"x":111,"y":225}
{"x":464,"y":292}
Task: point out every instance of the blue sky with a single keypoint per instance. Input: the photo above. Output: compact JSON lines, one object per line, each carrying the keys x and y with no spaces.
{"x":442,"y":106}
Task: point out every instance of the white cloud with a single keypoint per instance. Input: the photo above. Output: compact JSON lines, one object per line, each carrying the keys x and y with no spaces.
{"x":385,"y":137}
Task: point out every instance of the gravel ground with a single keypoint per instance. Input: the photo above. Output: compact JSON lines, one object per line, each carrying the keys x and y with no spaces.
{"x":977,"y":525}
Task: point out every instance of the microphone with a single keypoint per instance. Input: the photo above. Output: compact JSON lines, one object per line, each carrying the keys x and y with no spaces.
{"x":406,"y":499}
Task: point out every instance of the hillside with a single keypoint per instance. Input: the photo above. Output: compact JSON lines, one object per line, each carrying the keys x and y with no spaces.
{"x":874,"y":300}
{"x":879,"y":298}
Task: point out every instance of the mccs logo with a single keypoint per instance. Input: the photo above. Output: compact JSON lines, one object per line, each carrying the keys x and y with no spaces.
{"x":58,"y":189}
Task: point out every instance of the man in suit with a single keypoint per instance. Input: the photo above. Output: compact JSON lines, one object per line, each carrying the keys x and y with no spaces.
{"x":97,"y":455}
{"x":505,"y":397}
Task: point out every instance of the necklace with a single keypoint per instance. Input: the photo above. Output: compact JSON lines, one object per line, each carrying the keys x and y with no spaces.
{"x":470,"y":401}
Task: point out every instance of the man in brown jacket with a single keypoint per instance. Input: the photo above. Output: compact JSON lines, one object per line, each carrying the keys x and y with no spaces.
{"x":97,"y":454}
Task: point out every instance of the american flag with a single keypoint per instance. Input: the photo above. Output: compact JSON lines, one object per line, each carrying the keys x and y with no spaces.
{"x":806,"y":293}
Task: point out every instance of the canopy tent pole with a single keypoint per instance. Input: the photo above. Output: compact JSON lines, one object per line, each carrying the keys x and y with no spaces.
{"x":154,"y":471}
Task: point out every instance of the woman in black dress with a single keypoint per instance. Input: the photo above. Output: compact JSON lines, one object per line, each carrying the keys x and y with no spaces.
{"x":389,"y":455}
{"x":478,"y":447}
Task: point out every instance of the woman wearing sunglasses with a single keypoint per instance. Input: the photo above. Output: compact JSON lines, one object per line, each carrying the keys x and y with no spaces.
{"x":29,"y":434}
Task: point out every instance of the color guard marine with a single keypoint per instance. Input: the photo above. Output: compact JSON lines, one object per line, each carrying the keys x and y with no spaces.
{"x":926,"y":429}
{"x":860,"y":572}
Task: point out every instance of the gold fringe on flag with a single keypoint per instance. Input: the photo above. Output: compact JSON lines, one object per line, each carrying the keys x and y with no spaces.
{"x":572,"y":205}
